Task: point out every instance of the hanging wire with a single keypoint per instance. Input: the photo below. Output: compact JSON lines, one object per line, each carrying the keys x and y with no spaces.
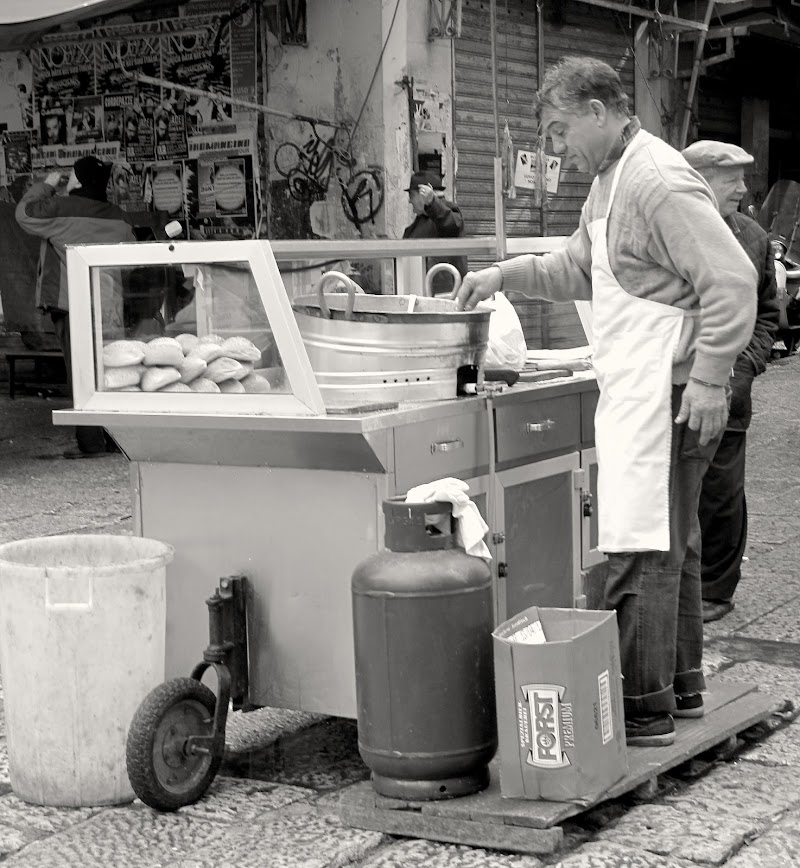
{"x":374,"y":76}
{"x":659,"y":104}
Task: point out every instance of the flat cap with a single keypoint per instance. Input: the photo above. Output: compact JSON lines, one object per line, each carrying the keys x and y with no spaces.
{"x":716,"y":155}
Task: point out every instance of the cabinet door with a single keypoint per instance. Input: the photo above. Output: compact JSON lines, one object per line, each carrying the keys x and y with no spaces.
{"x":538,"y":510}
{"x":589,"y":552}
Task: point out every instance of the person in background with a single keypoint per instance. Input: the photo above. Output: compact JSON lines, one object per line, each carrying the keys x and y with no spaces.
{"x":673,"y":300}
{"x":83,"y":216}
{"x":435,"y":217}
{"x":723,"y":506}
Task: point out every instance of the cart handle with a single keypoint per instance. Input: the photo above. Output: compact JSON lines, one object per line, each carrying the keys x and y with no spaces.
{"x":351,"y":287}
{"x":435,"y":269}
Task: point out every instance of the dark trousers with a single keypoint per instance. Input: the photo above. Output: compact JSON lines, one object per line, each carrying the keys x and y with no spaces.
{"x":657,"y":596}
{"x":723,"y":518}
{"x":89,"y":438}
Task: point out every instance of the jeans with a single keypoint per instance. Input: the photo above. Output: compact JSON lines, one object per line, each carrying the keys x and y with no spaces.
{"x":88,"y":438}
{"x":657,"y":595}
{"x":723,"y":518}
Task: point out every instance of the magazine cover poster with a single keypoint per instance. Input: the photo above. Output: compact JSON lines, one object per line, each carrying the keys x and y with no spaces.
{"x":171,"y":139}
{"x":128,"y":186}
{"x":86,"y":122}
{"x":126,"y":51}
{"x":201,"y":59}
{"x":114,"y":108}
{"x":53,"y":123}
{"x":138,"y":136}
{"x":63,"y":71}
{"x":17,"y":145}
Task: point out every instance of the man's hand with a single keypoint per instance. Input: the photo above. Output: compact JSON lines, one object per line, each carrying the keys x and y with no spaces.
{"x":53,"y":179}
{"x":705,"y":408}
{"x":426,"y":194}
{"x":477,"y":286}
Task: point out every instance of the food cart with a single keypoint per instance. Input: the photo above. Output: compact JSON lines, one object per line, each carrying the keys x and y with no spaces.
{"x":275,"y":484}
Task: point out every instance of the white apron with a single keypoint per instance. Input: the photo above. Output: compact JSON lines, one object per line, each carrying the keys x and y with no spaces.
{"x":633,"y":348}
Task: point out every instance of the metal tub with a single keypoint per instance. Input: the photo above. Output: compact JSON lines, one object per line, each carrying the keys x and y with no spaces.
{"x":387,"y":348}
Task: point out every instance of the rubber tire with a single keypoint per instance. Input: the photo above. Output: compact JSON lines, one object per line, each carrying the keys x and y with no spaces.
{"x":143,"y":730}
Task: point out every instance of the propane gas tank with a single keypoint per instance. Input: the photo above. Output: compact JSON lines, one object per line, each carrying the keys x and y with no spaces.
{"x":422,"y":615}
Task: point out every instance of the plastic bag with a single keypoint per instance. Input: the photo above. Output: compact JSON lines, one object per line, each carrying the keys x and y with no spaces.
{"x":507,"y":347}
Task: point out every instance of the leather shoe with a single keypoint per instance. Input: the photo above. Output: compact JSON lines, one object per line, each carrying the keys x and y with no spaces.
{"x":713,"y":610}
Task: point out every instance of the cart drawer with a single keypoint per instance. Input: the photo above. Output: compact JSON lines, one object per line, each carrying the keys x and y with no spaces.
{"x":432,"y":450}
{"x":537,"y":427}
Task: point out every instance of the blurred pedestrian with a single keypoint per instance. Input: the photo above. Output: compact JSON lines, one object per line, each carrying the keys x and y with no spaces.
{"x":435,"y":217}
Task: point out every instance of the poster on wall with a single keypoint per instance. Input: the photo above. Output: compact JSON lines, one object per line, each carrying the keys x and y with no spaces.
{"x":62,"y":73}
{"x":171,"y":140}
{"x":87,"y":120}
{"x":138,"y":136}
{"x":16,"y":91}
{"x":17,"y":147}
{"x":226,"y":185}
{"x":525,"y":172}
{"x":200,"y":58}
{"x":242,"y":40}
{"x":123,"y":49}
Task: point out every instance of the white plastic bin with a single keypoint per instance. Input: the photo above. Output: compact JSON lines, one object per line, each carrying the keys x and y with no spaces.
{"x":82,"y":633}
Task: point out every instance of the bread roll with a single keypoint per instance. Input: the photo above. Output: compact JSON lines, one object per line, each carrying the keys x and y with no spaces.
{"x":119,"y":378}
{"x":176,"y":387}
{"x":154,"y":379}
{"x":129,"y":389}
{"x":231,"y":386}
{"x":210,"y":339}
{"x":207,"y":352}
{"x":225,"y":369}
{"x":163,"y":351}
{"x":120,"y":354}
{"x":201,"y":384}
{"x":192,"y":368}
{"x":241,"y":349}
{"x":187,"y":341}
{"x":256,"y":383}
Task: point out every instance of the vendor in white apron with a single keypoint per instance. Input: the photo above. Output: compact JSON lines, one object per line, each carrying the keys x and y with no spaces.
{"x":673,"y":301}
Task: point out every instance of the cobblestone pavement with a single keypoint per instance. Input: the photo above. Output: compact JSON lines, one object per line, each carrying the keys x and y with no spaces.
{"x":275,"y":800}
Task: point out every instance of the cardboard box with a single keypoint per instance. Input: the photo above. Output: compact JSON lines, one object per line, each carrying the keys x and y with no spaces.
{"x":560,"y":717}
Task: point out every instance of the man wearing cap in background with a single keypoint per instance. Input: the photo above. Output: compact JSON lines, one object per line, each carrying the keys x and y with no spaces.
{"x":435,"y":217}
{"x":723,"y":507}
{"x":83,"y":216}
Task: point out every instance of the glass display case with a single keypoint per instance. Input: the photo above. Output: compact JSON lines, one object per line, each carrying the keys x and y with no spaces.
{"x":186,"y":327}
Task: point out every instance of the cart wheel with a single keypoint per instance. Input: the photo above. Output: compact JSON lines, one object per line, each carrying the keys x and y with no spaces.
{"x":162,"y":774}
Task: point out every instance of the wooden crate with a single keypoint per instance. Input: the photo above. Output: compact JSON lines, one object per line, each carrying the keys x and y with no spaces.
{"x":486,"y":819}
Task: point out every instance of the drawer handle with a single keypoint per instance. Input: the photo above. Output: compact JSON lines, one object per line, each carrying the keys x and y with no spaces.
{"x":446,"y":446}
{"x":536,"y":427}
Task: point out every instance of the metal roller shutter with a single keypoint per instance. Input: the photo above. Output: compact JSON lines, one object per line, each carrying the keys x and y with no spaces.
{"x":570,"y":28}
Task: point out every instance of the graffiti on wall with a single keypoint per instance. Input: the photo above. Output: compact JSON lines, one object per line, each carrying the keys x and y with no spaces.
{"x":325,"y":158}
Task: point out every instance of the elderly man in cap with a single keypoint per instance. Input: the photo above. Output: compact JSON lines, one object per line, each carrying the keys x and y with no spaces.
{"x":83,"y":216}
{"x":673,"y":301}
{"x":723,"y":507}
{"x":435,"y":217}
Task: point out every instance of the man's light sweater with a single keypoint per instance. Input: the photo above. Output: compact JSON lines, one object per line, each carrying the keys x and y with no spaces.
{"x":666,"y":243}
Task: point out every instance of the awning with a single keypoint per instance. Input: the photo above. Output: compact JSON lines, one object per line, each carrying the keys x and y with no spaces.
{"x":22,"y":22}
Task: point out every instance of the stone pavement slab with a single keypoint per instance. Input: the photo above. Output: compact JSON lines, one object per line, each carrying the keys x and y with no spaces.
{"x":778,"y":848}
{"x":296,"y":837}
{"x":745,"y":790}
{"x":230,"y":800}
{"x":709,"y":838}
{"x":615,"y":856}
{"x":132,"y":837}
{"x":430,"y":854}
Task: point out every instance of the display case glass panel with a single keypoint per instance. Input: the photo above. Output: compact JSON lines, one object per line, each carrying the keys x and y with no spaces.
{"x":182,"y":322}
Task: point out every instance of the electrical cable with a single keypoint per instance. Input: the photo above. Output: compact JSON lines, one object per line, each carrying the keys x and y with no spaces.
{"x":660,"y":108}
{"x":374,"y":76}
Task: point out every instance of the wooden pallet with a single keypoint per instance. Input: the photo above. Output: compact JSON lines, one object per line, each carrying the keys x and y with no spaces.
{"x":486,"y":819}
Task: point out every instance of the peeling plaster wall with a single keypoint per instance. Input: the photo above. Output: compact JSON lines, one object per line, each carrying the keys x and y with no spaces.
{"x":328,"y":79}
{"x":410,"y":53}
